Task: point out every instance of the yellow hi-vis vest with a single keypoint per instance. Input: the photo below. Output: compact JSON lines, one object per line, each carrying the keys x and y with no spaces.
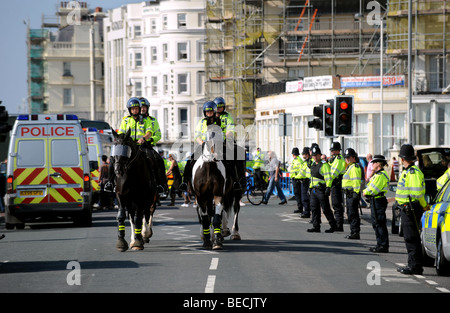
{"x":258,"y":162}
{"x":443,"y":179}
{"x":294,"y":169}
{"x":411,"y":184}
{"x":378,"y":185}
{"x":352,"y":178}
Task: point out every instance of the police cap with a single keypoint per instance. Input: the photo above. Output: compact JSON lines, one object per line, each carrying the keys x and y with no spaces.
{"x":379,"y":158}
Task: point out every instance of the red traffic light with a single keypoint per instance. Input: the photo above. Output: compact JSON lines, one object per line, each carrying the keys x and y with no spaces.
{"x":344,"y":105}
{"x":329,"y":111}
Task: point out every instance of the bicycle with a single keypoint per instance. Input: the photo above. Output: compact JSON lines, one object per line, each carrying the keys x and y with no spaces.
{"x":254,"y":196}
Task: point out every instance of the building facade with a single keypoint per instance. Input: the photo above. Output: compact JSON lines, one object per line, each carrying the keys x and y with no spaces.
{"x":156,"y":50}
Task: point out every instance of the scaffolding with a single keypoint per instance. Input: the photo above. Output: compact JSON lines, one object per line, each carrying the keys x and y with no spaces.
{"x":430,"y":41}
{"x":254,"y":42}
{"x":36,"y":69}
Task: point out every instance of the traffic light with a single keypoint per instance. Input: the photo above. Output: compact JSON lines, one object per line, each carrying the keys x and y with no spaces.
{"x":4,"y":127}
{"x":343,"y":115}
{"x":317,"y":123}
{"x":328,"y":117}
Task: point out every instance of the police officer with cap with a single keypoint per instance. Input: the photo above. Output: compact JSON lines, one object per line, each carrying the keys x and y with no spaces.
{"x":294,"y":172}
{"x":411,"y":202}
{"x":351,"y":185}
{"x":337,"y":164}
{"x":376,"y":193}
{"x":320,"y":191}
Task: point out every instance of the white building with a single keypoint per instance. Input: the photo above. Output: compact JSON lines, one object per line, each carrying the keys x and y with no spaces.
{"x":155,"y":50}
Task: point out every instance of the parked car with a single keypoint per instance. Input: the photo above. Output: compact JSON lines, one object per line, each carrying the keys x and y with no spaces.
{"x":435,"y":233}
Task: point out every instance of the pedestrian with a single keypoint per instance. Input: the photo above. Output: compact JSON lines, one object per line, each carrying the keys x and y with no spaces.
{"x":320,"y":187}
{"x":294,"y":174}
{"x":304,"y":177}
{"x":274,"y":180}
{"x":351,"y":185}
{"x":175,"y":171}
{"x":105,"y":200}
{"x":411,"y":202}
{"x":395,"y":167}
{"x":369,"y":168}
{"x":376,"y":193}
{"x":337,"y":165}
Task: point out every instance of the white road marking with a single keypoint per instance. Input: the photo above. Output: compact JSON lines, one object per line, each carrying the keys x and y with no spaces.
{"x":210,"y":284}
{"x":214,"y":264}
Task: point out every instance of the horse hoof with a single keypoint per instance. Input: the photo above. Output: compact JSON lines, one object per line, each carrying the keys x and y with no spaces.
{"x":226,"y":232}
{"x":122,"y":245}
{"x":146,"y":240}
{"x":207,"y":244}
{"x":137,"y":248}
{"x":217,"y":245}
{"x":236,"y":237}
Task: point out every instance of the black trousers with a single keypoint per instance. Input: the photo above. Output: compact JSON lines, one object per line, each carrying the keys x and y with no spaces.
{"x":305,"y":196}
{"x":337,"y":201}
{"x":319,"y":199}
{"x":411,"y":224}
{"x":297,"y":187}
{"x":378,"y":213}
{"x":352,"y":203}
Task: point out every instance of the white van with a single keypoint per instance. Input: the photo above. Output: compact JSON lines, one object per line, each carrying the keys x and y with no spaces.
{"x":99,"y":143}
{"x":48,"y":174}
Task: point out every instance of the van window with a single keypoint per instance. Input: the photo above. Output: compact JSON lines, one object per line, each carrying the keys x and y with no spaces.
{"x":31,"y":153}
{"x":92,"y":153}
{"x":65,"y":152}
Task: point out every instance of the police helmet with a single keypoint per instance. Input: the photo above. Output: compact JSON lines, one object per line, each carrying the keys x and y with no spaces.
{"x":315,"y":150}
{"x":145,"y":102}
{"x":209,"y":106}
{"x":220,"y":102}
{"x":295,"y":151}
{"x":335,"y":145}
{"x":133,"y":102}
{"x":407,"y":152}
{"x":349,"y":152}
{"x":305,"y":150}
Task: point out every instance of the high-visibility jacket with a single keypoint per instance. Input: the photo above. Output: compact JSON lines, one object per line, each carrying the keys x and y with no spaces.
{"x":320,"y":175}
{"x":378,"y":185}
{"x":305,"y":169}
{"x":337,"y":166}
{"x":440,"y":182}
{"x":411,"y":184}
{"x":258,"y":161}
{"x":140,"y":128}
{"x":202,"y":127}
{"x":352,"y":178}
{"x":294,"y":169}
{"x":226,"y":123}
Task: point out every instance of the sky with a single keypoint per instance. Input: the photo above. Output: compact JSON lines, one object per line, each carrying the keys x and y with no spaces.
{"x":13,"y":47}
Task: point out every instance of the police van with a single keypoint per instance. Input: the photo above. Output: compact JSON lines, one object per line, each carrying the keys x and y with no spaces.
{"x":48,"y":174}
{"x":99,"y":143}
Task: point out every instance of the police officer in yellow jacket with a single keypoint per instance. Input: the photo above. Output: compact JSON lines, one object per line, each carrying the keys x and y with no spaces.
{"x":351,"y":185}
{"x":294,"y":174}
{"x":320,"y":185}
{"x":337,"y":164}
{"x":376,"y":193}
{"x":210,"y":118}
{"x":304,"y":176}
{"x":440,"y":182}
{"x":411,"y":202}
{"x":258,"y":163}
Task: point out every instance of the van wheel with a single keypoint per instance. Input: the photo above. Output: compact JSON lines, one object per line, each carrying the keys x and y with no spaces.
{"x":83,"y":220}
{"x":9,"y":226}
{"x":442,"y":265}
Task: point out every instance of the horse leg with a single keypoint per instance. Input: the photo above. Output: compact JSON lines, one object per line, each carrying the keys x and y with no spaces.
{"x":217,"y":224}
{"x":206,"y":223}
{"x":122,"y":244}
{"x":147,"y":231}
{"x":235,"y":230}
{"x":138,"y":242}
{"x":225,"y":229}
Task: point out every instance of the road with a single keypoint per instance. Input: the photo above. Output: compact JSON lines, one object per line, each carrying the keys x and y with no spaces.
{"x":276,"y":255}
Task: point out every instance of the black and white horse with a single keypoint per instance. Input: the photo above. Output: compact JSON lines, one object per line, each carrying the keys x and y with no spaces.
{"x":135,"y":191}
{"x":213,"y":188}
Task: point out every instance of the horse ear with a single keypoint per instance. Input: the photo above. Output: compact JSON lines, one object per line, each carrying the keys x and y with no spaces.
{"x":114,"y":133}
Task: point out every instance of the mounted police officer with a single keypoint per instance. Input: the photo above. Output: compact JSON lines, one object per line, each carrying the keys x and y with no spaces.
{"x":351,"y":185}
{"x":143,"y":130}
{"x":294,"y":174}
{"x":320,"y":186}
{"x":231,"y":149}
{"x":209,"y":118}
{"x":149,"y":144}
{"x":376,"y":193}
{"x":411,"y":202}
{"x":337,"y":164}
